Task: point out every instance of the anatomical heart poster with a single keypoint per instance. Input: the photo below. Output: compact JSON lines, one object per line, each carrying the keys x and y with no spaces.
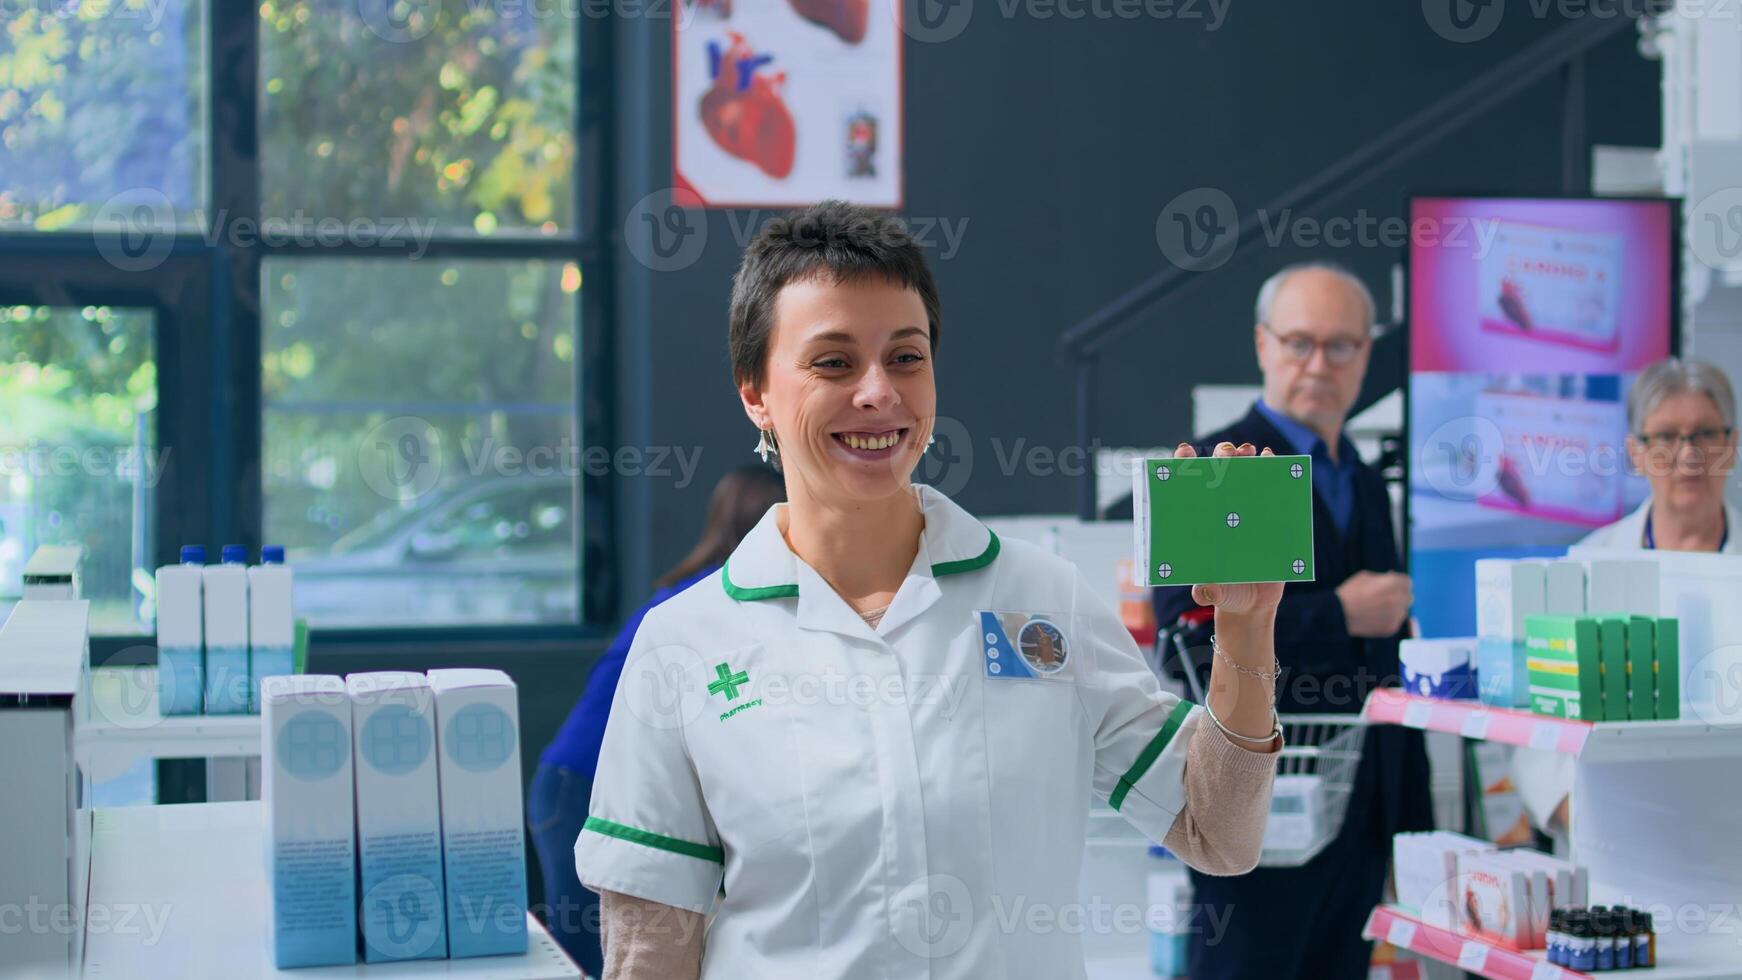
{"x":783,"y":103}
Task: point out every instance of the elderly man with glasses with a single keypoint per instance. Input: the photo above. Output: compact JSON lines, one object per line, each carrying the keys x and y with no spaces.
{"x":1336,"y":639}
{"x":1681,"y":421}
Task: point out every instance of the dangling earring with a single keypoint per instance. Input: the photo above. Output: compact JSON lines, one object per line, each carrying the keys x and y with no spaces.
{"x":765,"y":446}
{"x":930,"y":441}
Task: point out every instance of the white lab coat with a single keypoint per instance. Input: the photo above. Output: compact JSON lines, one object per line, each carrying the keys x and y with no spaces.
{"x":885,"y":803}
{"x":1629,"y":531}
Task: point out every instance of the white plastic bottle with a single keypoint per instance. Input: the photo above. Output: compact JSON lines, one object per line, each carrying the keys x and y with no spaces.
{"x":226,"y":607}
{"x":181,"y":662}
{"x":271,"y":621}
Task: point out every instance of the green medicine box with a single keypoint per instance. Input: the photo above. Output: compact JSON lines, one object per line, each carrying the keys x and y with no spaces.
{"x":1563,"y":666}
{"x":1204,"y":520}
{"x":1641,"y":691}
{"x":1612,"y":667}
{"x":1666,"y":669}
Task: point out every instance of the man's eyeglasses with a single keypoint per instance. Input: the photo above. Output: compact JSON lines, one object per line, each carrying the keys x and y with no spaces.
{"x":1338,"y":350}
{"x":1707,"y":440}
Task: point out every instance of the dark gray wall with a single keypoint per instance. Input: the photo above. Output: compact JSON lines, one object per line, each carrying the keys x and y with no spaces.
{"x":1059,"y":143}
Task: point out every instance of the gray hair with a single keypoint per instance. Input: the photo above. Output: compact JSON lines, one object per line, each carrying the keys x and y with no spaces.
{"x":1273,"y":285}
{"x":1675,"y":376}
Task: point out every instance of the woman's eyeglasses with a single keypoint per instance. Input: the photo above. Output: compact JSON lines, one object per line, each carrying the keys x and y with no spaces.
{"x":1706,"y":440}
{"x":1338,"y":350}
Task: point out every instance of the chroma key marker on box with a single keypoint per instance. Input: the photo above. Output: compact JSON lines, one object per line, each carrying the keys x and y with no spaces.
{"x":1225,"y":519}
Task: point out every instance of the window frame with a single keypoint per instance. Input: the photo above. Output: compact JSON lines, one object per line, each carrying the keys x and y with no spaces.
{"x":206,"y":299}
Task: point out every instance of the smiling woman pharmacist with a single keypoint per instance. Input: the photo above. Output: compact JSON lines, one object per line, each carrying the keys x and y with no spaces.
{"x":827,"y":743}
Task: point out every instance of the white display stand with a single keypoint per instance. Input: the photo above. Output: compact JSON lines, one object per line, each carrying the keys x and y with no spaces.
{"x":1654,"y":815}
{"x":125,"y":726}
{"x":191,"y":879}
{"x":43,"y":659}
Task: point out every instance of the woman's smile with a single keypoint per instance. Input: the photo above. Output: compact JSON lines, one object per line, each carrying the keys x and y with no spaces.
{"x":871,"y":444}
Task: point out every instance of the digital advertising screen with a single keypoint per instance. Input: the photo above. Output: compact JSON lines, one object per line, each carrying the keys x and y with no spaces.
{"x":1529,"y":320}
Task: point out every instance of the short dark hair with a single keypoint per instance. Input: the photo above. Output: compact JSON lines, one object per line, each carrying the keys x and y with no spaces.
{"x":845,"y":242}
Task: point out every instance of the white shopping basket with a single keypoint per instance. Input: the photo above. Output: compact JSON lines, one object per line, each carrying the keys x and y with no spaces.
{"x":1320,"y":756}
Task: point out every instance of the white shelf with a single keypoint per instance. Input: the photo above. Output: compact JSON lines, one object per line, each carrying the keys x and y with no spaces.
{"x":124,"y":726}
{"x":1485,"y":959}
{"x":1610,"y":741}
{"x":181,"y":892}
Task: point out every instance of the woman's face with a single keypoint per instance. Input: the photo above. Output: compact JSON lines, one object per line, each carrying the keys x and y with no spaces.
{"x":848,"y":389}
{"x":1684,"y":476}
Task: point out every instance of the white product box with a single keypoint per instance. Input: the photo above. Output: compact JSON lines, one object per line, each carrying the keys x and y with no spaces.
{"x":226,"y":607}
{"x":1495,"y":899}
{"x":399,"y":829}
{"x":306,"y":791}
{"x":1562,"y":884}
{"x":271,"y":626}
{"x":1565,"y":589}
{"x":1537,"y":890}
{"x":1443,"y":668}
{"x":1606,"y":588}
{"x":483,"y":843}
{"x":1644,"y":587}
{"x":1427,"y":873}
{"x":1507,"y":592}
{"x":181,"y":662}
{"x":1296,"y":807}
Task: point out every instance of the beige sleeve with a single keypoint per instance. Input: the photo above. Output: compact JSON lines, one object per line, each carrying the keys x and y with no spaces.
{"x":1220,"y":831}
{"x":646,"y":940}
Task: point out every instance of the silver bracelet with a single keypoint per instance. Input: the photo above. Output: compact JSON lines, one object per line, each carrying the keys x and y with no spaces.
{"x":1271,"y":676}
{"x":1275,"y":727}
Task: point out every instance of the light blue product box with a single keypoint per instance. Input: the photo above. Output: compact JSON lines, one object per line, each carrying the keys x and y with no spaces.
{"x":1169,"y":915}
{"x":399,"y":830}
{"x":1439,"y":668}
{"x":483,"y":840}
{"x":1501,"y":673}
{"x":226,"y":615}
{"x":308,"y":798}
{"x":181,"y":661}
{"x":1167,"y":954}
{"x":271,"y":622}
{"x":1507,"y":592}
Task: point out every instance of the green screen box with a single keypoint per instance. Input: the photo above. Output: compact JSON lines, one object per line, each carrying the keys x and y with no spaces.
{"x":1203,"y":520}
{"x":1564,"y":667}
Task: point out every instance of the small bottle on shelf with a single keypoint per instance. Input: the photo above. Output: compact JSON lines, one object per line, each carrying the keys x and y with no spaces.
{"x":1603,"y":925}
{"x":1556,"y":921}
{"x":1625,"y":930}
{"x":1582,"y":946}
{"x":1645,"y":944}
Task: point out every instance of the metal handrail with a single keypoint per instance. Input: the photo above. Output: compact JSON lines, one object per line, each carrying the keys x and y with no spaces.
{"x":1561,"y":50}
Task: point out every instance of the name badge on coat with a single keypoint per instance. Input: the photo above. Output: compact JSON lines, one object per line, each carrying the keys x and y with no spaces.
{"x":1032,"y":646}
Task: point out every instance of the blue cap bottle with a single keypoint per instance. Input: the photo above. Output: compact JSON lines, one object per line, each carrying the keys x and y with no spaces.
{"x":272,"y":554}
{"x":235,"y":554}
{"x":193,"y":554}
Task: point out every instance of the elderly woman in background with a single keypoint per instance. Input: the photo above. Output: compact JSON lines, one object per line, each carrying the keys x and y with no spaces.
{"x":1681,"y":420}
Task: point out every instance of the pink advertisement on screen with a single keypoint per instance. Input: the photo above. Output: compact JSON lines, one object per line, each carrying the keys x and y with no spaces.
{"x":1577,"y":286}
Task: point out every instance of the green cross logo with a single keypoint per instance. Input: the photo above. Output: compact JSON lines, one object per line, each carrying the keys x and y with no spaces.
{"x":728,"y":681}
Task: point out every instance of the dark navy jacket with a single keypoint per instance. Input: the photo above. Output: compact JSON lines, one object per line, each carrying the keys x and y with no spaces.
{"x":1325,"y":670}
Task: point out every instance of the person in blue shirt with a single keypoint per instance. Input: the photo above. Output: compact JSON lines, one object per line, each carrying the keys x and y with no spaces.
{"x":556,"y":805}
